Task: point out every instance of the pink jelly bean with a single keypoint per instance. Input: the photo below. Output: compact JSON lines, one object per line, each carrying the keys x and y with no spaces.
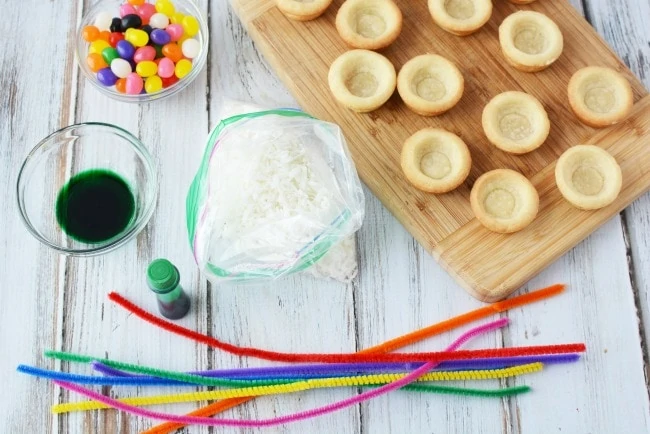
{"x":134,"y":84}
{"x":144,"y":53}
{"x":175,"y":31}
{"x":166,"y":67}
{"x":126,"y":9}
{"x":146,"y":11}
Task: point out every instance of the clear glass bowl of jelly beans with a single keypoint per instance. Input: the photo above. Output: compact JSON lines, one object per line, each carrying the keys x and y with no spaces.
{"x":142,"y":50}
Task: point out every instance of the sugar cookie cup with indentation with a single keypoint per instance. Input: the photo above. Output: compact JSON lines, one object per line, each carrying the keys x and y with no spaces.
{"x":303,"y":10}
{"x":530,"y":41}
{"x":369,"y":24}
{"x":435,"y":160}
{"x":430,"y":84}
{"x":515,"y":122}
{"x":588,"y":177}
{"x":504,"y":201}
{"x":362,"y":80}
{"x":600,"y":96}
{"x":460,"y":17}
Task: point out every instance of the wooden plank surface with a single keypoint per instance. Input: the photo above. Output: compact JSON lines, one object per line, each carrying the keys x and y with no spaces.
{"x":54,"y":302}
{"x":301,"y":54}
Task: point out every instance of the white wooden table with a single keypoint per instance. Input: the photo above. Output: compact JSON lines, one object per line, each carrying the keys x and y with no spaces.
{"x":54,"y":302}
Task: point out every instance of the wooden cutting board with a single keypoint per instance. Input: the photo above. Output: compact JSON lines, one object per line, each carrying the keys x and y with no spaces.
{"x":490,"y":266}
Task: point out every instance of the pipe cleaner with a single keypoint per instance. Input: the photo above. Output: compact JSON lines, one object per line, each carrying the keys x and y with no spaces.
{"x":284,"y":419}
{"x":396,"y":343}
{"x":361,"y":356}
{"x":346,"y":369}
{"x":319,"y":383}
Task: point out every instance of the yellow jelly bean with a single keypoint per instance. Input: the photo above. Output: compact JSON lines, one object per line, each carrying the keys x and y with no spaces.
{"x":153,"y":84}
{"x":176,"y":18}
{"x":183,"y":67}
{"x":98,"y":46}
{"x":146,"y":68}
{"x":165,"y":7}
{"x":137,"y":37}
{"x":190,"y":25}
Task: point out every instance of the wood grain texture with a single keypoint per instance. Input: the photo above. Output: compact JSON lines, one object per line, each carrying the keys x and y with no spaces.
{"x":53,"y":302}
{"x":302,"y":52}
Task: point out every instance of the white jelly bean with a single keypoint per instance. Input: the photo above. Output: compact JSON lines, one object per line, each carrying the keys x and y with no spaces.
{"x":103,"y":21}
{"x":191,"y":48}
{"x":121,"y":67}
{"x":159,"y":21}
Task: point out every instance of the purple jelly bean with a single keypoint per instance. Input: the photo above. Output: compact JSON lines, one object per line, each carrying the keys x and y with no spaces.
{"x":106,"y":77}
{"x":160,"y":37}
{"x":125,"y":50}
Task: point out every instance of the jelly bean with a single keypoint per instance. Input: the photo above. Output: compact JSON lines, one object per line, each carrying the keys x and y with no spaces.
{"x":131,"y":21}
{"x":190,"y":25}
{"x":103,"y":20}
{"x":125,"y":49}
{"x":146,"y":68}
{"x":183,"y":67}
{"x":175,"y":32}
{"x":116,"y":25}
{"x":120,"y":85}
{"x":106,"y":77}
{"x":121,"y":68}
{"x":147,"y":29}
{"x":146,"y":11}
{"x":165,"y":7}
{"x":127,"y":9}
{"x":160,"y":37}
{"x":159,"y":21}
{"x":136,"y":2}
{"x":191,"y":48}
{"x":172,"y":51}
{"x":98,"y":46}
{"x":176,"y":18}
{"x":105,"y":35}
{"x":134,"y":84}
{"x":153,"y":84}
{"x":166,"y":67}
{"x":90,"y":33}
{"x":115,"y":38}
{"x":166,"y":82}
{"x":144,"y":53}
{"x":159,"y":52}
{"x":96,"y":62}
{"x":109,"y":54}
{"x":136,"y":37}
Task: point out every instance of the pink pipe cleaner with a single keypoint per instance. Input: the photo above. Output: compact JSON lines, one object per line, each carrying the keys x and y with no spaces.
{"x":194,"y":420}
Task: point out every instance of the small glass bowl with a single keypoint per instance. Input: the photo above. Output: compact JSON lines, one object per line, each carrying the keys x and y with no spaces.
{"x":68,"y":152}
{"x":188,"y":7}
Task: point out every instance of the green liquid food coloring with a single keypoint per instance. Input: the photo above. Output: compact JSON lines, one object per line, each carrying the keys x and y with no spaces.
{"x":95,"y":206}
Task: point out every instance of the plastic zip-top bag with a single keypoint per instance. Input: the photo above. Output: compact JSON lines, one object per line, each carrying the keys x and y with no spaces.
{"x":276,"y":193}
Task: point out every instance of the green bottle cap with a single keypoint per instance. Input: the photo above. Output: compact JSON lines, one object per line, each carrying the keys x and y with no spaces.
{"x":162,"y":276}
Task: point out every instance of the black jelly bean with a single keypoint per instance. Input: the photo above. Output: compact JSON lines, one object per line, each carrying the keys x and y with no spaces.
{"x":116,"y":25}
{"x":131,"y":21}
{"x":147,"y":29}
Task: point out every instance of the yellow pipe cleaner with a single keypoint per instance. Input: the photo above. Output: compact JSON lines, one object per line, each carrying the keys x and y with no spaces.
{"x":315,"y":383}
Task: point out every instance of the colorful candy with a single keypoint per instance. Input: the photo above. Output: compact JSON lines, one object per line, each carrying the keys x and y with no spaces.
{"x":120,"y":67}
{"x":191,"y":48}
{"x":144,"y":48}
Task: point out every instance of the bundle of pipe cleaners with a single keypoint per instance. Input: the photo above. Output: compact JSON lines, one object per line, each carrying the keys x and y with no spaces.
{"x":375,"y":368}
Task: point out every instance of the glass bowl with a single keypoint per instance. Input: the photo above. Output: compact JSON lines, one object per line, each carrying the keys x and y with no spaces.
{"x":187,"y":7}
{"x":74,"y":150}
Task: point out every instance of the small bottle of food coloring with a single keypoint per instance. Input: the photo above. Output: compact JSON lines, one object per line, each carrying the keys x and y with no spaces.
{"x":165,"y":280}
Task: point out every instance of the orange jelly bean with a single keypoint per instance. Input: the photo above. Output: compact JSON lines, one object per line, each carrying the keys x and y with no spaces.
{"x":173,"y":52}
{"x":95,"y":62}
{"x":136,"y":2}
{"x":120,"y":85}
{"x":105,"y":35}
{"x":90,"y":33}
